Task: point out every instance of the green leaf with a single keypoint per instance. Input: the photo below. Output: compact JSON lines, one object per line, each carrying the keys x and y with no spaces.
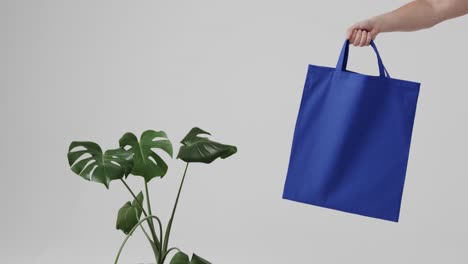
{"x":198,"y":260}
{"x":182,"y":258}
{"x":88,"y":161}
{"x":130,"y":214}
{"x":201,"y":149}
{"x":146,"y":162}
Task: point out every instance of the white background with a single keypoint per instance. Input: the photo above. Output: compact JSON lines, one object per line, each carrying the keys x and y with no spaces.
{"x":93,"y":70}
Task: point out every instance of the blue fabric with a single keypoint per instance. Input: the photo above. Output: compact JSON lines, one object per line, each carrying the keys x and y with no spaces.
{"x":352,"y":140}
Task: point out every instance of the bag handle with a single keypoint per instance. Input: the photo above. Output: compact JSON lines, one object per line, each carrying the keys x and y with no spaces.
{"x":343,"y":60}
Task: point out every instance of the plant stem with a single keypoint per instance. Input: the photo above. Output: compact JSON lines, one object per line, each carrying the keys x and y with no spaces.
{"x":150,"y":221}
{"x":131,"y":233}
{"x":169,"y":224}
{"x":167,"y":253}
{"x":155,"y":243}
{"x":146,"y":235}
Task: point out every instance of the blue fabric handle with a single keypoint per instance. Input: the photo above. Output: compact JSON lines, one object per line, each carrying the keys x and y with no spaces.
{"x":343,"y":60}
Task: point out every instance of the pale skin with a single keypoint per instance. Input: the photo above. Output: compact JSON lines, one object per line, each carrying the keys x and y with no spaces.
{"x":416,"y":15}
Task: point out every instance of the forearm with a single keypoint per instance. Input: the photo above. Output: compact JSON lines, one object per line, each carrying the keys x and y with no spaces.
{"x":420,"y":14}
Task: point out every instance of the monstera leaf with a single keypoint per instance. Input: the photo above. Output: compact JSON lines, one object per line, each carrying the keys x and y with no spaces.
{"x":130,"y":214}
{"x":202,"y":149}
{"x":198,"y":260}
{"x":146,"y":162}
{"x":88,"y":161}
{"x":182,"y":258}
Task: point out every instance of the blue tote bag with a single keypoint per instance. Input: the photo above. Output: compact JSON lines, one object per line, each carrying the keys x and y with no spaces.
{"x":352,"y":140}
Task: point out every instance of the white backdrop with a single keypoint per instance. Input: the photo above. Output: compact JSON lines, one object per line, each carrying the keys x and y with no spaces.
{"x":92,"y":70}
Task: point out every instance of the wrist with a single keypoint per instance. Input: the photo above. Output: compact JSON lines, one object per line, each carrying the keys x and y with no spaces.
{"x":378,"y":23}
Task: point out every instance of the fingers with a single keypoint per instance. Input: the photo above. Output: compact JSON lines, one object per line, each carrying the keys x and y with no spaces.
{"x":362,"y":33}
{"x":369,"y":39}
{"x":349,"y":33}
{"x":359,"y":38}
{"x":353,"y":36}
{"x":363,"y":40}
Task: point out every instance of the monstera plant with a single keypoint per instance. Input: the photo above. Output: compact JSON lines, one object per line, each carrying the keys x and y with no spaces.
{"x":138,"y":157}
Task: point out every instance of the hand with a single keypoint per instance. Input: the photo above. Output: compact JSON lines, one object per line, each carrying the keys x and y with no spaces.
{"x":361,"y":33}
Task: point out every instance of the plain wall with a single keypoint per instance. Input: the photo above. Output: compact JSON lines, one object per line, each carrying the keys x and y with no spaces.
{"x":93,"y":70}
